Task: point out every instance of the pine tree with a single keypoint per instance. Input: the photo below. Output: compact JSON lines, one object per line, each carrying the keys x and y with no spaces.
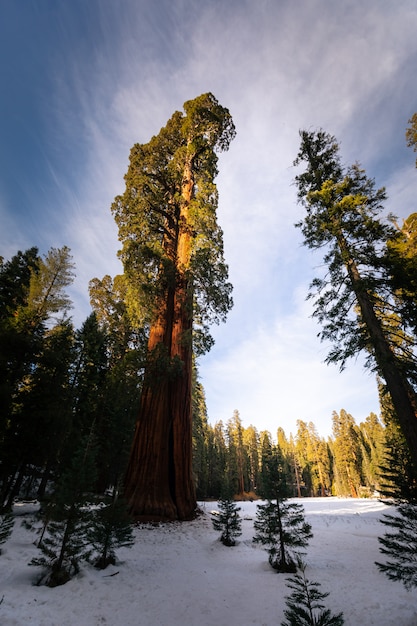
{"x":372,"y":441}
{"x":6,"y":526}
{"x":401,"y":545}
{"x":64,"y":542}
{"x":228,"y":521}
{"x":354,"y":300}
{"x":281,"y":527}
{"x":32,"y":293}
{"x":305,"y":606}
{"x":216,"y":459}
{"x":111,"y":528}
{"x":63,"y":547}
{"x":398,"y":470}
{"x":251,"y":443}
{"x":200,"y":438}
{"x":237,"y":460}
{"x":347,"y":454}
{"x":398,"y":477}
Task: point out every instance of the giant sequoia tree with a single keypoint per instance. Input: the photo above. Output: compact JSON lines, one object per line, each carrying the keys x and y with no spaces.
{"x":177,"y":285}
{"x":354,"y":301}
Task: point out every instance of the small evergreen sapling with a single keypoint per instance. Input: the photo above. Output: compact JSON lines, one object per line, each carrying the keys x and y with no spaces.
{"x":64,"y":540}
{"x":228,"y":521}
{"x":279,"y":525}
{"x":305,"y":607}
{"x":400,"y":487}
{"x":63,"y":546}
{"x":282,"y":528}
{"x":6,"y":526}
{"x":111,"y":528}
{"x":401,"y":545}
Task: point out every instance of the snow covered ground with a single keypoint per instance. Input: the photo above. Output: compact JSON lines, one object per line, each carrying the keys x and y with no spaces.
{"x":180,"y":574}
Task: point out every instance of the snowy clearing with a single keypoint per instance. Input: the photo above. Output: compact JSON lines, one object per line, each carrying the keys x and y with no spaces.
{"x":182,"y":574}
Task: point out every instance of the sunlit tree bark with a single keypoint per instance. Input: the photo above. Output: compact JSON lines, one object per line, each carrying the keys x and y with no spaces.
{"x":177,"y":284}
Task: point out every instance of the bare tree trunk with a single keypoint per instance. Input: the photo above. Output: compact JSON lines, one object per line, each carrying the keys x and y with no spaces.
{"x":182,"y":449}
{"x":353,"y":491}
{"x":159,"y":481}
{"x":402,"y":395}
{"x":147,"y":485}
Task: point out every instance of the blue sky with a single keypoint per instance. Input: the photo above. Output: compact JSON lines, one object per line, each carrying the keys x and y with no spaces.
{"x":83,"y":81}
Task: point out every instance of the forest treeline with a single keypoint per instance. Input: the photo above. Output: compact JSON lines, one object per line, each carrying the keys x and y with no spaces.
{"x":346,"y":464}
{"x":63,"y":391}
{"x":61,"y":386}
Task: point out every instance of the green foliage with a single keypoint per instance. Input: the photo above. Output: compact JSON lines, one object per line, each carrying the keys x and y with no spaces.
{"x":47,"y":295}
{"x":401,"y":259}
{"x":400,"y":545}
{"x":32,"y":294}
{"x":305,"y":606}
{"x":125,"y":349}
{"x":19,"y":342}
{"x":411,"y":133}
{"x":347,"y":452}
{"x":346,"y":464}
{"x":46,"y":403}
{"x":227,"y":521}
{"x":310,"y":460}
{"x":398,"y":469}
{"x":64,"y":541}
{"x":63,"y":545}
{"x":398,"y":472}
{"x":274,"y":472}
{"x":342,"y":208}
{"x":200,"y":438}
{"x":372,"y":439}
{"x":150,"y":218}
{"x":6,"y":526}
{"x":110,"y":528}
{"x":281,"y":527}
{"x":15,"y":276}
{"x":216,"y":460}
{"x":354,"y":300}
{"x":236,"y":454}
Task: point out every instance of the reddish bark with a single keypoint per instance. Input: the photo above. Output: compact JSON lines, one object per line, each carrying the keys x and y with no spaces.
{"x":159,"y":481}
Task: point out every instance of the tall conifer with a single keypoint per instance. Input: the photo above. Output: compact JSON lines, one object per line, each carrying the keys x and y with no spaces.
{"x":172,"y":252}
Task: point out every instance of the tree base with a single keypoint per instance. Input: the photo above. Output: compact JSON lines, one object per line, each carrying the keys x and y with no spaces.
{"x":284,"y":568}
{"x":103,"y":562}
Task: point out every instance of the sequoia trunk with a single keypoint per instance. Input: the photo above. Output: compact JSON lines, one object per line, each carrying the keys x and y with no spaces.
{"x":159,"y":481}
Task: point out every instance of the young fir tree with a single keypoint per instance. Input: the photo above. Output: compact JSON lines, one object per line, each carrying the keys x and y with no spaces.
{"x":279,"y":525}
{"x":305,"y":606}
{"x":227,"y":520}
{"x":399,"y":485}
{"x":64,"y":541}
{"x":111,"y":528}
{"x":401,"y":545}
{"x":6,"y":526}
